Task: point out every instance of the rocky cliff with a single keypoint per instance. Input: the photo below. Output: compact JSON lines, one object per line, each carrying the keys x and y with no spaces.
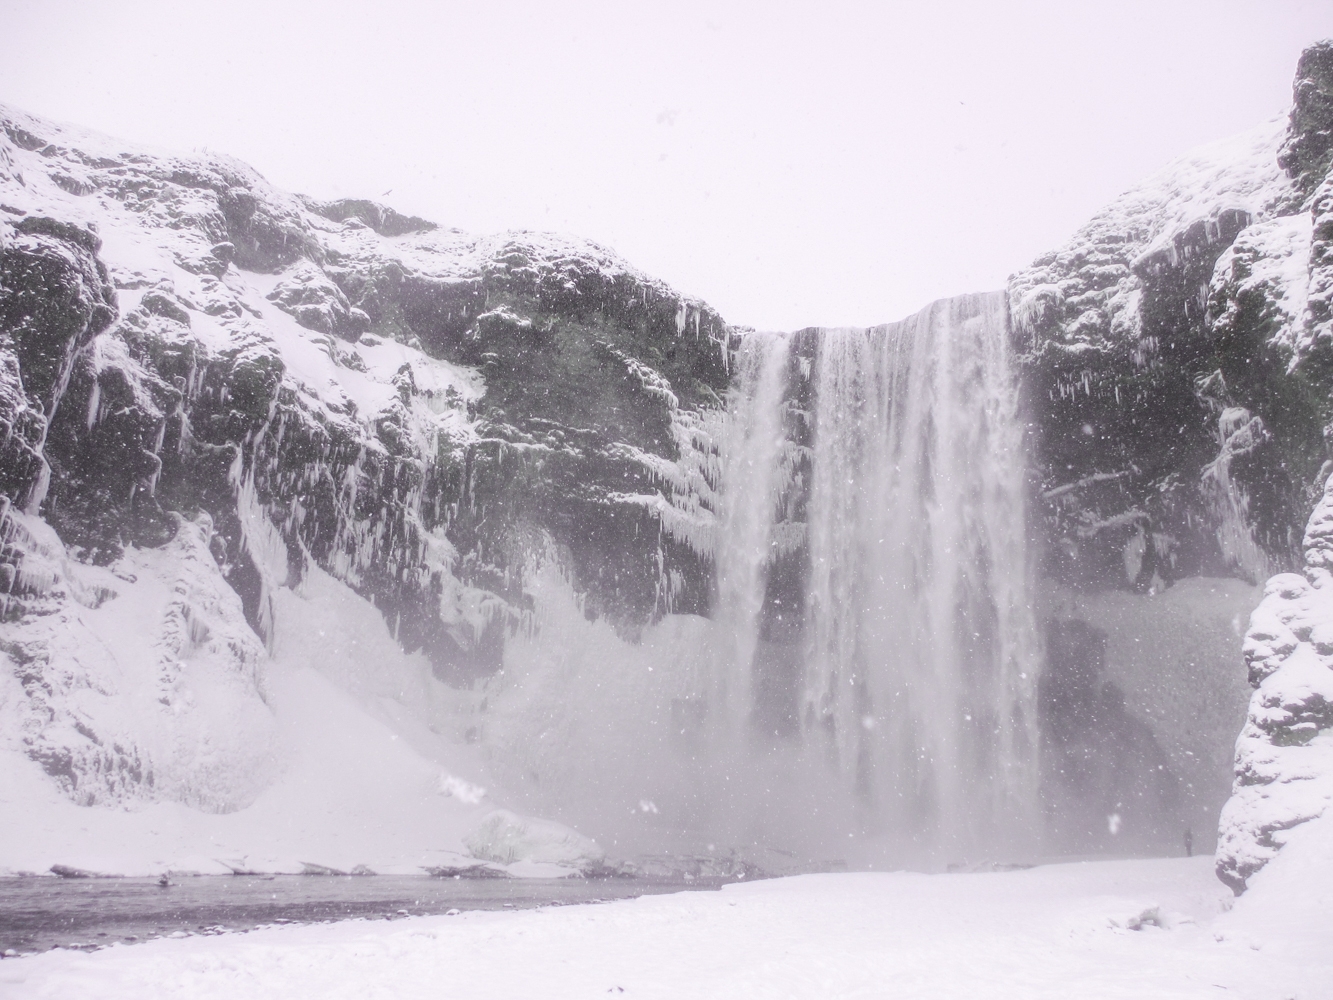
{"x":188,"y":353}
{"x":1177,"y":364}
{"x":213,"y":391}
{"x":1284,"y":756}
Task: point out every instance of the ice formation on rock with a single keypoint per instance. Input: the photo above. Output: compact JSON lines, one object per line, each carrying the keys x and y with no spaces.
{"x":330,"y":387}
{"x":505,"y":837}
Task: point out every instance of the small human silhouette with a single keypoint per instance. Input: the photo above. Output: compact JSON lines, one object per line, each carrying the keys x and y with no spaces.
{"x":1189,"y":843}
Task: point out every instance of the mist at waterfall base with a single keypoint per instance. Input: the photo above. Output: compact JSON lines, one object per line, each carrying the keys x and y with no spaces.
{"x":865,"y":689}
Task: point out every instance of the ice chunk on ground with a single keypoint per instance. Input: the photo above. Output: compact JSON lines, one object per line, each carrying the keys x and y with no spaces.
{"x":506,"y":837}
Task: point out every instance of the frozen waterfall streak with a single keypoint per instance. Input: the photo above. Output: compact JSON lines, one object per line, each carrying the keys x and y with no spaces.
{"x":920,"y":677}
{"x":753,"y":471}
{"x":260,"y":540}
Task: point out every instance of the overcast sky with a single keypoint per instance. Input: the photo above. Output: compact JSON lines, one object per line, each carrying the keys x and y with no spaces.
{"x":793,"y":164}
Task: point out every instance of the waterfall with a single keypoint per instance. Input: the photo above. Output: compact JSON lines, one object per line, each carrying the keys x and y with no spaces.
{"x":864,"y":685}
{"x":921,"y":666}
{"x":916,"y":698}
{"x":756,"y":472}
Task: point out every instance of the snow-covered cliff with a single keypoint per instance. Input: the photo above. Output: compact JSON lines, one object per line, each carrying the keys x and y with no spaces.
{"x":1178,"y":366}
{"x":214,"y":392}
{"x":250,"y":437}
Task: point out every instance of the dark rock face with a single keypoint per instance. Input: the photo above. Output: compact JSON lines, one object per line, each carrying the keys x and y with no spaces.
{"x":1102,"y":767}
{"x":55,"y":297}
{"x":1179,"y":364}
{"x":1138,"y":364}
{"x":1307,"y":152}
{"x":188,"y":403}
{"x":381,"y":218}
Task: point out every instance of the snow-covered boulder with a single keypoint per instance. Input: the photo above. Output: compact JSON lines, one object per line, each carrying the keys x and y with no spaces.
{"x":507,"y":838}
{"x":1284,"y":756}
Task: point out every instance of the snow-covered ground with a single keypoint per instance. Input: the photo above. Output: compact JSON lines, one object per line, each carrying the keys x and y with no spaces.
{"x":360,"y":767}
{"x":1066,"y":931}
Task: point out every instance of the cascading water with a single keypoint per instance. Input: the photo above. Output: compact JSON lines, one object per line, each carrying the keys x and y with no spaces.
{"x":920,"y":666}
{"x":865,"y":684}
{"x":755,"y":475}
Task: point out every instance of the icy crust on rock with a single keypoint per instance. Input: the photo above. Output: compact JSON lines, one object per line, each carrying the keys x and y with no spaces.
{"x":1284,"y":755}
{"x":1319,"y":310}
{"x":1268,"y":265}
{"x":506,"y":838}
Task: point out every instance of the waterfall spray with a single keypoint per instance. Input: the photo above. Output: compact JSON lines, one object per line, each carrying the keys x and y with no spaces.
{"x":867,"y":673}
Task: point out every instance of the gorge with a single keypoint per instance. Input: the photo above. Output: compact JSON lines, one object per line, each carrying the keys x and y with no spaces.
{"x":502,"y":520}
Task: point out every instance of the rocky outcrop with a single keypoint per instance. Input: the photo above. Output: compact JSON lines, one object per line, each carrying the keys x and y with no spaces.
{"x":1179,"y":360}
{"x":423,"y":414}
{"x":1178,"y":370}
{"x":1307,"y":152}
{"x":1284,"y":756}
{"x":1179,"y":387}
{"x":55,"y":297}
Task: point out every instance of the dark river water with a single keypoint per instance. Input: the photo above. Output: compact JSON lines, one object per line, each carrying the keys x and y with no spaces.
{"x":39,"y":913}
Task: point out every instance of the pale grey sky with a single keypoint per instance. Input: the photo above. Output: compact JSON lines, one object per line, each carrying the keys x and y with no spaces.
{"x":793,"y":164}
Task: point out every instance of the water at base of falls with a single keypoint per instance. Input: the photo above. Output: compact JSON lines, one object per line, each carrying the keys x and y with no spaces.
{"x":865,"y":687}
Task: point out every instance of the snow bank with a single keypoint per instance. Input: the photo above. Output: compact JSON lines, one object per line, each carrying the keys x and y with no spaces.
{"x":1284,"y":756}
{"x":356,"y":766}
{"x":141,"y":681}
